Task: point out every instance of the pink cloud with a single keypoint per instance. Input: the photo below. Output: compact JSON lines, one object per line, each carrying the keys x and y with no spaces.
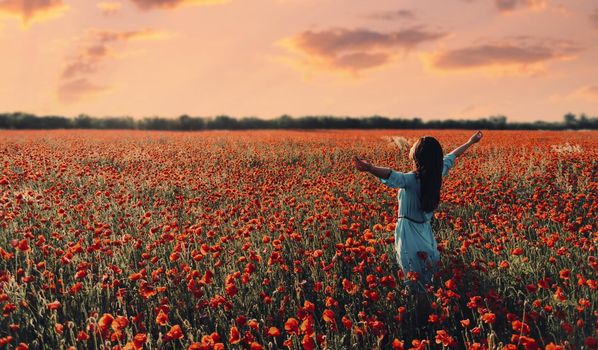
{"x":96,"y":47}
{"x":171,"y":4}
{"x":594,"y":18}
{"x":511,"y":5}
{"x":393,"y":15}
{"x":359,"y":60}
{"x":354,"y":50}
{"x":94,"y":50}
{"x":330,"y":42}
{"x":78,"y":89}
{"x":518,"y":54}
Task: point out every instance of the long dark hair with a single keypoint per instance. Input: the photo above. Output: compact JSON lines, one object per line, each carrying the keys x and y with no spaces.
{"x":427,"y":155}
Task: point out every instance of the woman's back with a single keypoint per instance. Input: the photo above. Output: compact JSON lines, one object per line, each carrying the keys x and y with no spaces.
{"x":409,"y":193}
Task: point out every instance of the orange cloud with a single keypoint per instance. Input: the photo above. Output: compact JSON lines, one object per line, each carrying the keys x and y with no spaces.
{"x":94,"y":49}
{"x":33,"y":10}
{"x":519,"y":56}
{"x":354,"y":50}
{"x":78,"y":89}
{"x":98,"y":46}
{"x":109,"y":8}
{"x":589,"y":92}
{"x":170,"y":4}
{"x":511,"y":5}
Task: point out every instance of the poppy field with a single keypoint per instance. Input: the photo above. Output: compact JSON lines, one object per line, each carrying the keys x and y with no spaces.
{"x":272,"y":240}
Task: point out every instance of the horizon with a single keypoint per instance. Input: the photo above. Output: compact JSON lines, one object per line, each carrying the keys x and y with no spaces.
{"x":457,"y":59}
{"x":239,"y":117}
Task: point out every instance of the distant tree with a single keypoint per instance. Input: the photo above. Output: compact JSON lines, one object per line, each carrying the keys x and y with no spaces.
{"x":570,"y":120}
{"x":186,"y":122}
{"x":82,"y":121}
{"x":54,"y":122}
{"x":222,"y":122}
{"x":158,"y":123}
{"x":255,"y":123}
{"x":285,"y":121}
{"x":24,"y":120}
{"x":584,"y":122}
{"x":498,"y":121}
{"x":377,"y":122}
{"x":117,"y":123}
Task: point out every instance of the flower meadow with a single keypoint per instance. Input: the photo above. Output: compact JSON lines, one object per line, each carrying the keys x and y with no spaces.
{"x":271,"y":240}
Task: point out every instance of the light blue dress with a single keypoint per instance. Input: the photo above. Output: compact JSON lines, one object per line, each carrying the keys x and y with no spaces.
{"x":416,"y":247}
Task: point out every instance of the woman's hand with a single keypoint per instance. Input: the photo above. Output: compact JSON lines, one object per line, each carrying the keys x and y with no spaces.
{"x":361,"y":164}
{"x":475,"y":138}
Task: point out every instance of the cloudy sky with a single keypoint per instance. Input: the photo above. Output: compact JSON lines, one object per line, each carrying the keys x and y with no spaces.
{"x":526,"y":59}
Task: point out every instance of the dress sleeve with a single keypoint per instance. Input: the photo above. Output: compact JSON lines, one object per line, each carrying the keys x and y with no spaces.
{"x":449,"y":161}
{"x":396,"y":179}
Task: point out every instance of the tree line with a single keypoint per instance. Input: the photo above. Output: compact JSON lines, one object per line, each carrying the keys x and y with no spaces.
{"x":20,"y":120}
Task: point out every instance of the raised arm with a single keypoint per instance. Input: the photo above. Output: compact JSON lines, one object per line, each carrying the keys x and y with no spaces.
{"x":362,"y":165}
{"x":475,"y":138}
{"x":389,"y":177}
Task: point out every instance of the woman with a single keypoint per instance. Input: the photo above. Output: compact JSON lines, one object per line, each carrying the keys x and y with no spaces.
{"x":418,"y":197}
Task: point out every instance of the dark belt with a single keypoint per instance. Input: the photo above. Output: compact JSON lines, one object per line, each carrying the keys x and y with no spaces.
{"x":410,"y":219}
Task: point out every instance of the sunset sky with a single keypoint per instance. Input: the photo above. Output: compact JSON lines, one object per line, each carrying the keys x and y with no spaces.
{"x":526,"y":59}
